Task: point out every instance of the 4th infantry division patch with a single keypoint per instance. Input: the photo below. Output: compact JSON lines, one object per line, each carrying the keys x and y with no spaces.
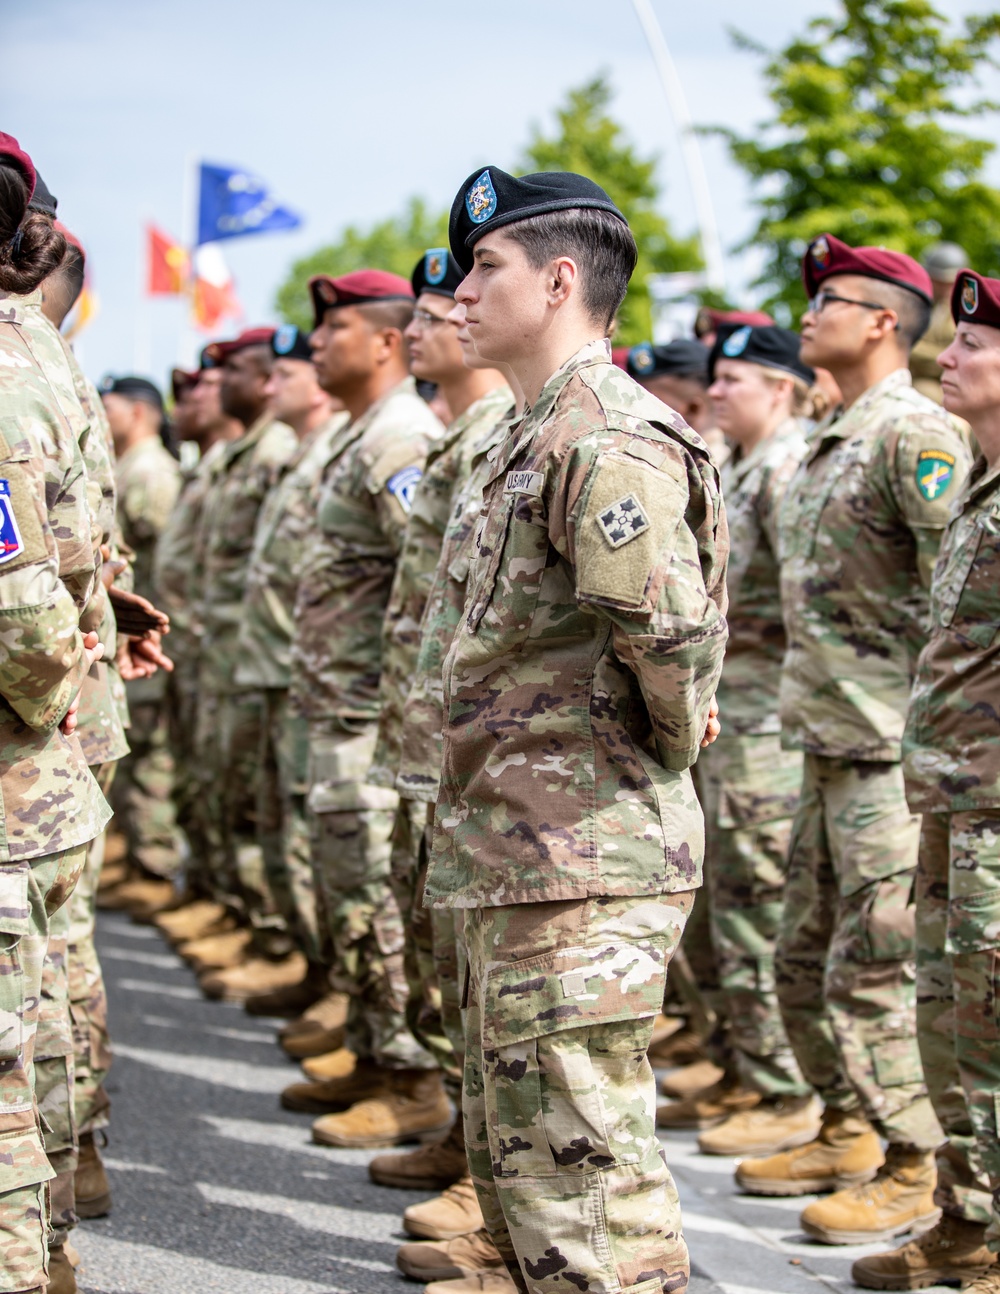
{"x":935,"y":468}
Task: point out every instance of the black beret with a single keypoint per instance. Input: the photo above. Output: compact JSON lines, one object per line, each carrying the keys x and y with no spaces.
{"x":490,"y":199}
{"x":681,"y":358}
{"x":42,"y":199}
{"x":132,"y":388}
{"x":290,"y":342}
{"x":770,"y":347}
{"x":436,"y":271}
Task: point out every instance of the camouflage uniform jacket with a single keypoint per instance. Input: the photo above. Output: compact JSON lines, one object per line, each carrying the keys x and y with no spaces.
{"x":286,"y":521}
{"x":363,"y":503}
{"x":578,"y":685}
{"x":754,"y":485}
{"x":247,"y":471}
{"x":423,"y":714}
{"x":50,"y":800}
{"x":445,"y":472}
{"x":859,"y":532}
{"x":177,"y":561}
{"x":103,"y":713}
{"x":951,"y":745}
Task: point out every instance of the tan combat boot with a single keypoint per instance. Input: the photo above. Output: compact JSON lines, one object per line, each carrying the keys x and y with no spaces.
{"x":93,"y":1190}
{"x":365,"y":1079}
{"x":900,"y":1198}
{"x":415,"y":1106}
{"x":707,"y":1108}
{"x":215,"y":952}
{"x":684,"y":1047}
{"x":319,"y":1029}
{"x":776,"y":1123}
{"x":142,"y":899}
{"x":332,"y":1064}
{"x":194,"y":921}
{"x":448,"y":1260}
{"x":454,"y":1213}
{"x":433,"y":1167}
{"x":491,"y":1282}
{"x":62,"y":1277}
{"x":691,"y":1079}
{"x":952,"y":1250}
{"x":847,"y":1151}
{"x":291,"y":999}
{"x":253,"y":976}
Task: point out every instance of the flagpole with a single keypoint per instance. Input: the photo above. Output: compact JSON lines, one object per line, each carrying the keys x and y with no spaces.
{"x":187,"y":342}
{"x":708,"y":230}
{"x":142,"y":360}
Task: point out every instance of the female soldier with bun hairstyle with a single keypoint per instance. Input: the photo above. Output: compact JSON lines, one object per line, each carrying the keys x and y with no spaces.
{"x":50,"y":805}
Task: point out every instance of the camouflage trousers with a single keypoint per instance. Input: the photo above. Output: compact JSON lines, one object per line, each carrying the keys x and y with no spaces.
{"x":282,"y":823}
{"x":30,"y":894}
{"x":141,"y":795}
{"x":846,"y":954}
{"x":54,"y":1078}
{"x":228,"y":741}
{"x":350,"y":829}
{"x":748,"y":788}
{"x":958,"y":1005}
{"x":88,"y":1001}
{"x":181,"y":704}
{"x":559,"y":1102}
{"x":427,"y":932}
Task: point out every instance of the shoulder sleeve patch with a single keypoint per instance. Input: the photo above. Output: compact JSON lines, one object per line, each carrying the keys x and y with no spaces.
{"x":11,"y":543}
{"x":931,"y":467}
{"x":402,"y":486}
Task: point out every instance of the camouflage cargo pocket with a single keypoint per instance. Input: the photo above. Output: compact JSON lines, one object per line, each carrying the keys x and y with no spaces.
{"x":887,"y":919}
{"x":973,"y":923}
{"x":15,"y":917}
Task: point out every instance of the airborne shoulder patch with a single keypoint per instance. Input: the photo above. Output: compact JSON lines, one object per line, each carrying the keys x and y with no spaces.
{"x":403,"y":486}
{"x":10,"y":536}
{"x":622,"y":521}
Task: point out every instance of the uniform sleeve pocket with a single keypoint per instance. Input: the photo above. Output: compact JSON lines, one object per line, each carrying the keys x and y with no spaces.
{"x":573,"y":988}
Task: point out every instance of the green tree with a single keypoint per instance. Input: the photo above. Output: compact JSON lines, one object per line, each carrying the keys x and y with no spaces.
{"x":395,"y":244}
{"x":591,"y":143}
{"x":860,"y":147}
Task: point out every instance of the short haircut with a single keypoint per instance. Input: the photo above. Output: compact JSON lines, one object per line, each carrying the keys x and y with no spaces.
{"x":601,"y":244}
{"x":913,"y":312}
{"x":388,"y":314}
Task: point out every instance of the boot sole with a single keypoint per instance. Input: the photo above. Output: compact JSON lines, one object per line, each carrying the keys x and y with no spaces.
{"x":378,"y":1143}
{"x":452,"y":1273}
{"x":763,"y":1147}
{"x":403,"y":1182}
{"x":99,"y":1206}
{"x":918,"y":1280}
{"x":915,"y":1227}
{"x":803,"y":1186}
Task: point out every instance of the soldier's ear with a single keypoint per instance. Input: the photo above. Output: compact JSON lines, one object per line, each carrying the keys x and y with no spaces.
{"x":564,"y":278}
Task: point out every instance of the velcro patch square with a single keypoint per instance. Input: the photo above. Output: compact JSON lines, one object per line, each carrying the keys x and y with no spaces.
{"x":622,"y":521}
{"x":10,"y":536}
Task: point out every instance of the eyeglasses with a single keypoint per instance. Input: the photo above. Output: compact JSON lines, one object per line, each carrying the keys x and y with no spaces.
{"x":823,"y":297}
{"x":425,"y":319}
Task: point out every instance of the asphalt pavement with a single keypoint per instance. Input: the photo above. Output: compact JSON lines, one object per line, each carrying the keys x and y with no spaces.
{"x":216,"y":1189}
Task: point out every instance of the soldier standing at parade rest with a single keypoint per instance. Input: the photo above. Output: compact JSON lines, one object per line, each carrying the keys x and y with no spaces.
{"x":859,"y":533}
{"x":951,"y":751}
{"x":578,"y":692}
{"x":942,"y":262}
{"x":363,"y":502}
{"x":748,"y":786}
{"x":52,"y":806}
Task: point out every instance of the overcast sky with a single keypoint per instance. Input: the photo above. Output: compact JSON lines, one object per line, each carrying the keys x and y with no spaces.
{"x":346,"y":109}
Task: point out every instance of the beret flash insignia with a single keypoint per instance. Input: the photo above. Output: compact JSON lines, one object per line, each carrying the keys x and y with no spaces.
{"x":820,"y":252}
{"x":970,"y":295}
{"x":736,"y":344}
{"x":284,"y":338}
{"x":327,"y":292}
{"x":481,"y":200}
{"x":642,"y":357}
{"x":435,"y":266}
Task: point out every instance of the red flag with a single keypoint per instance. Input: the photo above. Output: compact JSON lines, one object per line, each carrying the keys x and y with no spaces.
{"x":214,"y":296}
{"x":168,"y":264}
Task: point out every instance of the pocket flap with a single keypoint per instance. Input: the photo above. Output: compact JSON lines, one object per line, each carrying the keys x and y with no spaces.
{"x":15,"y":911}
{"x":973,"y":923}
{"x":573,"y":988}
{"x":350,"y":797}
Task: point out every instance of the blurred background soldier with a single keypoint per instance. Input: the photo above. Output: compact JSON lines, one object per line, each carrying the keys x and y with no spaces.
{"x":942,"y":262}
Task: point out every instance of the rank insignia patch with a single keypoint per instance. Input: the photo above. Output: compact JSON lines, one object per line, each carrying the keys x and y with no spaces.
{"x":481,"y":200}
{"x":435,"y":265}
{"x":10,"y":536}
{"x":820,"y":252}
{"x":970,"y":296}
{"x":736,"y":344}
{"x":935,"y":469}
{"x":642,"y":357}
{"x":284,"y":338}
{"x":623,"y":521}
{"x":403,"y":485}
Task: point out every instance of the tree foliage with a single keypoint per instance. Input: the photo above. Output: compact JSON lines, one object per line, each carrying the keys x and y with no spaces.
{"x":394,"y":244}
{"x":865,"y":145}
{"x":589,"y":142}
{"x":586,"y":140}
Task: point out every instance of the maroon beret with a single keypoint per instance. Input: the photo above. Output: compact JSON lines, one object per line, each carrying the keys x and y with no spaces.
{"x":975,"y":299}
{"x":219,"y":351}
{"x":355,"y":289}
{"x":827,"y":255}
{"x":751,"y":318}
{"x":12,"y":152}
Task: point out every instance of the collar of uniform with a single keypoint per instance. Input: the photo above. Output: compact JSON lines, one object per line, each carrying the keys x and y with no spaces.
{"x":495,"y":401}
{"x":840,"y":423}
{"x":253,"y":433}
{"x":981,"y":479}
{"x":740,"y":467}
{"x":13,"y":307}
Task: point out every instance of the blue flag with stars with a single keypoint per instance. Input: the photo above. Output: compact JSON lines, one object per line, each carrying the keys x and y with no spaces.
{"x":233,"y":203}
